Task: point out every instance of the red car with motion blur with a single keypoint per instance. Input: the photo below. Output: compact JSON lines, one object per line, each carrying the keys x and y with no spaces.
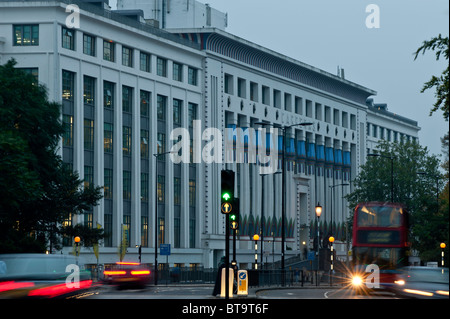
{"x":127,"y":275}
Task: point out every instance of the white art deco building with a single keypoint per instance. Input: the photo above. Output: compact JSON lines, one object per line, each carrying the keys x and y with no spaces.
{"x":125,"y":84}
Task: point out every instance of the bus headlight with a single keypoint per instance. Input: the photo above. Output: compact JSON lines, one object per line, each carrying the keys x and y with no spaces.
{"x":357,"y":281}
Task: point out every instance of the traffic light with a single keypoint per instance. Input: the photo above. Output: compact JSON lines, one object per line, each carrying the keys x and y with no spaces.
{"x":227,"y":186}
{"x":234,"y":215}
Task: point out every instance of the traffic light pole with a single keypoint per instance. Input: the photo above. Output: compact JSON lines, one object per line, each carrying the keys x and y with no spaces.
{"x":227,"y":256}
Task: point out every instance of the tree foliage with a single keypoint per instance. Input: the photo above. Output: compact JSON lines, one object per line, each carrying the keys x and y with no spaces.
{"x":440,"y":46}
{"x":37,"y":191}
{"x":417,"y":185}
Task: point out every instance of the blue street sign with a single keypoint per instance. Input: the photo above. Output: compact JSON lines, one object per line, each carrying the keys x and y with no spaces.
{"x":164,"y":249}
{"x":311,"y":255}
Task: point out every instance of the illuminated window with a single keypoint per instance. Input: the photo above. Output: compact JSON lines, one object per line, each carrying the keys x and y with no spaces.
{"x":108,"y":50}
{"x":25,"y":35}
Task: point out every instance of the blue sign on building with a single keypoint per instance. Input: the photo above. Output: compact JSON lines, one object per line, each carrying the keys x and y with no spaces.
{"x":164,"y":249}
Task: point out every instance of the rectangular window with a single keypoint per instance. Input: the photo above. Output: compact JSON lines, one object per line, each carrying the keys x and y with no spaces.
{"x":88,"y":44}
{"x":145,"y":62}
{"x":176,"y":191}
{"x":161,"y":67}
{"x":144,"y":187}
{"x":127,"y":99}
{"x":126,"y":185}
{"x":68,"y":38}
{"x":88,"y":135}
{"x":177,"y":72}
{"x":145,"y":103}
{"x":88,"y":176}
{"x":192,"y":113}
{"x":161,"y":103}
{"x":89,"y":90}
{"x":192,"y":193}
{"x":25,"y":35}
{"x":127,"y":56}
{"x":67,"y":137}
{"x":177,"y":111}
{"x":108,"y":134}
{"x":126,"y":140}
{"x":144,"y":231}
{"x":161,"y":188}
{"x":108,"y":50}
{"x":108,"y":94}
{"x":68,"y":85}
{"x":108,"y":183}
{"x":144,"y":143}
{"x":192,"y":76}
{"x":228,"y":84}
{"x":161,"y":145}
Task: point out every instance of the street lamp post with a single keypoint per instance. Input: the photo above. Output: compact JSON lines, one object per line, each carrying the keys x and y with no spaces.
{"x":332,"y":203}
{"x":318,"y":213}
{"x":392,"y":171}
{"x":283,"y":188}
{"x":156,"y":155}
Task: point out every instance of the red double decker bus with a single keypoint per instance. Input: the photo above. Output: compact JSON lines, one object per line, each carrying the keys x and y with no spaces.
{"x":380,"y":238}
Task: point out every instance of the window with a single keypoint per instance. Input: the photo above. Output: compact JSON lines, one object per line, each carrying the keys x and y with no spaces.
{"x":161,"y":144}
{"x":126,"y":185}
{"x":108,"y":50}
{"x":144,"y":231}
{"x":177,"y":111}
{"x":192,"y":193}
{"x":108,"y":183}
{"x":26,"y":35}
{"x":265,"y":95}
{"x":88,"y":135}
{"x":67,"y":137}
{"x":192,"y":113}
{"x":108,"y":94}
{"x":88,"y":176}
{"x":144,"y":143}
{"x":127,"y":56}
{"x":126,"y":140}
{"x":68,"y":38}
{"x":161,"y":103}
{"x":254,"y":91}
{"x":241,"y":88}
{"x":192,"y":76}
{"x":89,"y":90}
{"x":177,"y":72}
{"x":161,"y":67}
{"x":108,"y":134}
{"x":127,"y":99}
{"x":144,"y":187}
{"x":228,"y":84}
{"x":145,"y":103}
{"x":88,"y":44}
{"x":161,"y":188}
{"x":176,"y":191}
{"x":145,"y":62}
{"x":68,"y":85}
{"x":33,"y":72}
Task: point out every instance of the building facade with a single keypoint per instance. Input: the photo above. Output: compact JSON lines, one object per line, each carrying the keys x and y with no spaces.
{"x":126,"y":86}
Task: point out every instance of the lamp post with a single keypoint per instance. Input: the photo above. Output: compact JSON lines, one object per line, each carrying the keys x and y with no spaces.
{"x":392,"y":171}
{"x":156,"y":155}
{"x":332,"y":203}
{"x":283,"y":187}
{"x":256,"y":238}
{"x":77,"y":240}
{"x":318,"y":213}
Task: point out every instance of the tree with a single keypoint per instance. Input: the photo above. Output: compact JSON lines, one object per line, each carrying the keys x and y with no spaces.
{"x":37,"y":191}
{"x":415,"y":174}
{"x":440,"y":46}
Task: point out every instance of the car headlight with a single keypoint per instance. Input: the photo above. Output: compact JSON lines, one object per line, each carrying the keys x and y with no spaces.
{"x":399,"y":282}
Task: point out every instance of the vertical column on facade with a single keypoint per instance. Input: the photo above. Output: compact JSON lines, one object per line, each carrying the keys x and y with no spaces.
{"x":291,"y":189}
{"x":78,"y":132}
{"x":99,"y":164}
{"x":118,"y":167}
{"x":337,"y":198}
{"x":135,"y":238}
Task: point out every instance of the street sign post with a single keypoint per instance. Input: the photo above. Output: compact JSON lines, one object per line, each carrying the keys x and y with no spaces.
{"x":242,"y":283}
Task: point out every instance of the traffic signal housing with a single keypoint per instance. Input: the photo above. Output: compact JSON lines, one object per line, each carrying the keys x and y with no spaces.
{"x":234,"y":215}
{"x":227,"y":191}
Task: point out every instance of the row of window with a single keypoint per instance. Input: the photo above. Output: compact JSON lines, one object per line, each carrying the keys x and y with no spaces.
{"x":387,"y":134}
{"x":294,"y":104}
{"x":127,"y":54}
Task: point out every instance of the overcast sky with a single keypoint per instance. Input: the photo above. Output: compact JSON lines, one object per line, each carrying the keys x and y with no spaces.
{"x":328,"y":33}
